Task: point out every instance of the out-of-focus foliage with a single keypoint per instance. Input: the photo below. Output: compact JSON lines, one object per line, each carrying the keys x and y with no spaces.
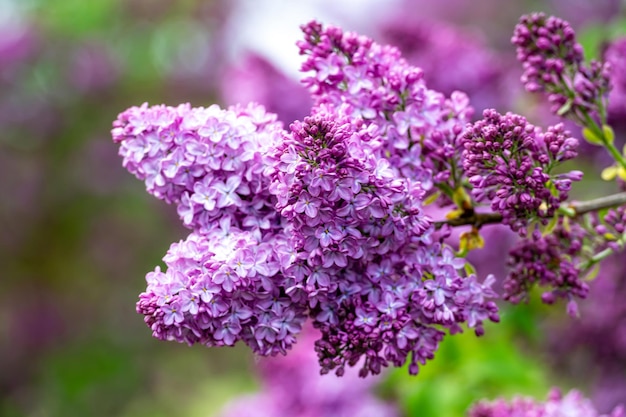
{"x":78,"y":232}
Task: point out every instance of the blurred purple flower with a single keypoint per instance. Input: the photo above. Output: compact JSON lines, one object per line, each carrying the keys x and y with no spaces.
{"x":615,"y":54}
{"x":255,"y":79}
{"x":595,"y":344}
{"x":291,"y":386}
{"x":92,"y":68}
{"x":452,"y":59}
{"x":573,"y":404}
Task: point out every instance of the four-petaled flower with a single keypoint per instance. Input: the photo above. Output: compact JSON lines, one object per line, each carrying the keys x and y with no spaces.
{"x":365,"y":317}
{"x":173,"y":314}
{"x":307,"y":204}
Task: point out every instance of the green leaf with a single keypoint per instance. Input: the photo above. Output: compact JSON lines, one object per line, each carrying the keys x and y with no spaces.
{"x":550,"y":226}
{"x":461,"y":198}
{"x":565,"y":108}
{"x":591,"y":137}
{"x":593,"y":273}
{"x":469,"y":269}
{"x":78,"y":18}
{"x":432,"y":198}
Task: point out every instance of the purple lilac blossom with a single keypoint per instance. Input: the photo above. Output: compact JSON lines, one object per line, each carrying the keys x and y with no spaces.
{"x":553,"y":64}
{"x":314,"y":222}
{"x":509,"y":162}
{"x":378,"y":282}
{"x":548,"y":260}
{"x":220,"y":288}
{"x":488,"y":260}
{"x":615,"y":55}
{"x":223,"y":283}
{"x":421,"y":127}
{"x":573,"y":404}
{"x":611,"y":227}
{"x":207,"y":161}
{"x":18,"y":44}
{"x":292,"y":387}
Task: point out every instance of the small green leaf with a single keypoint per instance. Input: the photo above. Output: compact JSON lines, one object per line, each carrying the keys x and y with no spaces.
{"x":471,"y":240}
{"x":469,"y":269}
{"x":550,"y":226}
{"x":609,"y":173}
{"x":462,"y":199}
{"x":591,"y":137}
{"x":432,"y":198}
{"x":593,"y":273}
{"x":565,"y":108}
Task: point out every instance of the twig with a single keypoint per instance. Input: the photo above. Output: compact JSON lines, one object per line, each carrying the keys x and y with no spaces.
{"x":578,"y":207}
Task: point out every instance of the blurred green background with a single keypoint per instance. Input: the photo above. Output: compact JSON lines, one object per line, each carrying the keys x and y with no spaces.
{"x":79,"y":233}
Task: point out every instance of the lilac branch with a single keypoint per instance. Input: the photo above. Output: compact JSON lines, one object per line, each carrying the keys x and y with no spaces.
{"x":573,"y":209}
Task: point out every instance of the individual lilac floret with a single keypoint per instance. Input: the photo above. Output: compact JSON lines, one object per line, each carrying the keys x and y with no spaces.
{"x":573,"y":404}
{"x":509,"y":162}
{"x":551,"y":261}
{"x":379,"y":285}
{"x":292,"y":386}
{"x":207,"y":161}
{"x":421,"y":129}
{"x":220,"y":288}
{"x":554,"y":64}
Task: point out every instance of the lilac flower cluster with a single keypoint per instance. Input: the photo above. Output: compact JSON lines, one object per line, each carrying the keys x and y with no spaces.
{"x":220,"y":288}
{"x":549,"y":260}
{"x":293,"y":387}
{"x":421,"y":128}
{"x":509,"y":162}
{"x":573,"y":404}
{"x":554,"y":64}
{"x":207,"y":161}
{"x":222,"y":284}
{"x":612,"y":228}
{"x":323,"y":221}
{"x":376,"y":279}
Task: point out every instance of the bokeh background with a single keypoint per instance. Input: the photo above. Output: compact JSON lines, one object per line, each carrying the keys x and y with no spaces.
{"x":78,"y":233}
